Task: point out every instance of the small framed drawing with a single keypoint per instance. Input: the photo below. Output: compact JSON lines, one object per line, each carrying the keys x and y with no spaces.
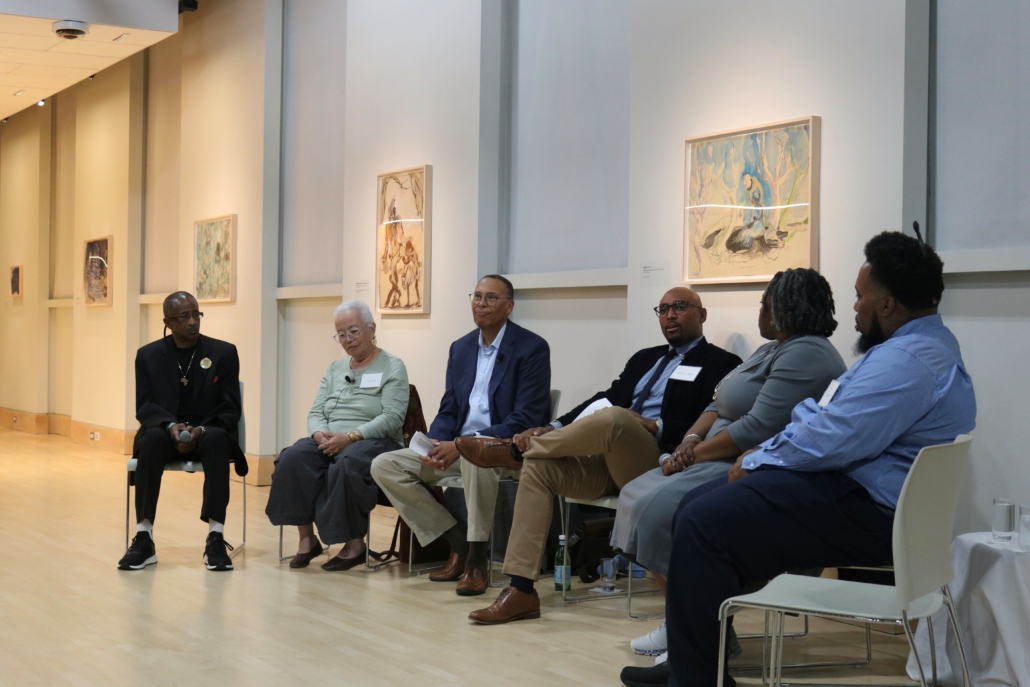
{"x":404,"y":240}
{"x":214,"y":259}
{"x":751,"y":203}
{"x":17,"y":280}
{"x":96,"y":271}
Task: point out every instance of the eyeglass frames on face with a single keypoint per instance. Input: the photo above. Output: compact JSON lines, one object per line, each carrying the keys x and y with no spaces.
{"x":352,"y":333}
{"x":679,"y":307}
{"x":490,"y":299}
{"x":184,"y":317}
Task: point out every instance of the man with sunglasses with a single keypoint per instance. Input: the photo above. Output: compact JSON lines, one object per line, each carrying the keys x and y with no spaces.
{"x":498,"y":384}
{"x":188,"y":405}
{"x":644,"y":413}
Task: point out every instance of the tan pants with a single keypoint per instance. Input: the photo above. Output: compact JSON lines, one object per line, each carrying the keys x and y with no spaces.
{"x":593,"y":457}
{"x":404,"y":478}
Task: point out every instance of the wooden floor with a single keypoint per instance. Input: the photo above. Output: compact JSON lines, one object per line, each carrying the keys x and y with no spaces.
{"x":69,"y":617}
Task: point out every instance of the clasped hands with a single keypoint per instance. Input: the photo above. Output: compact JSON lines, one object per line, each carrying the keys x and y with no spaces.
{"x":331,"y":443}
{"x":442,"y":456}
{"x":683,"y":457}
{"x":184,"y":446}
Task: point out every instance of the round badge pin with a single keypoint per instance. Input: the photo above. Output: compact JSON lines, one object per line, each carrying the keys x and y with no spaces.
{"x":205,"y":363}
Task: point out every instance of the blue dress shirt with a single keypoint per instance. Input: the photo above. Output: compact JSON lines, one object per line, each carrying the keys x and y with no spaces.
{"x":479,"y":400}
{"x":909,"y":392}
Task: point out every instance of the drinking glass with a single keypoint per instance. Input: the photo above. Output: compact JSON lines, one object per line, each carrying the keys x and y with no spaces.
{"x":609,"y":571}
{"x":1004,"y":523}
{"x":1024,"y":528}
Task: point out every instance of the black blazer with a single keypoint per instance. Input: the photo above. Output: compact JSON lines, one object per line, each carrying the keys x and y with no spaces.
{"x":683,"y":402}
{"x":520,"y":386}
{"x":216,"y":394}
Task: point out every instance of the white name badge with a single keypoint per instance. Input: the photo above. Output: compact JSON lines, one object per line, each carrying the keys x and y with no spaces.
{"x":686,"y":373}
{"x":829,"y":393}
{"x":371,"y":380}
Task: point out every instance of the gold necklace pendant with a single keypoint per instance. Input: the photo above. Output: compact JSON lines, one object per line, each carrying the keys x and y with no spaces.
{"x":184,"y":381}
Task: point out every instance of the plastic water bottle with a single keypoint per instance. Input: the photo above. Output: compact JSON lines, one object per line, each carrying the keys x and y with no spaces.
{"x":562,"y":572}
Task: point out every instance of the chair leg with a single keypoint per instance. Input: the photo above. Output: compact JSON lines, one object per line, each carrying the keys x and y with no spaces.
{"x":281,"y":559}
{"x":912,"y":645}
{"x":723,"y":615}
{"x":128,"y":488}
{"x":933,"y":653}
{"x":953,"y":617}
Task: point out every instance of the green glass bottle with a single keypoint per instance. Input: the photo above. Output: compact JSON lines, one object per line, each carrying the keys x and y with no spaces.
{"x":562,"y":571}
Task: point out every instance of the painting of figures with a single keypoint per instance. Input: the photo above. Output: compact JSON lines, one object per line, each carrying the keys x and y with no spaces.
{"x":403,"y":233}
{"x":96,"y":271}
{"x":751,"y":203}
{"x":214,"y":262}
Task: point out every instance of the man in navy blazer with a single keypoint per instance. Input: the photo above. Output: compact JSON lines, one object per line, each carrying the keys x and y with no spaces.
{"x":498,"y":384}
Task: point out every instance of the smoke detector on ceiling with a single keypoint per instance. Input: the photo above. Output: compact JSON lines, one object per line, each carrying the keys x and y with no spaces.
{"x":70,"y":29}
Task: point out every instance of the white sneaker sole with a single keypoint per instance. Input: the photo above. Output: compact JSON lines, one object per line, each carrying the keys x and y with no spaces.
{"x":215,"y":567}
{"x":649,"y":652}
{"x":150,"y":561}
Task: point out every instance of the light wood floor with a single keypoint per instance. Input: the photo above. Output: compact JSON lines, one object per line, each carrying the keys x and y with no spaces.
{"x":69,"y":617}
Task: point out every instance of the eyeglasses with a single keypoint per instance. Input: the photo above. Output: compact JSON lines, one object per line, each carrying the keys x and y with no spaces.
{"x":184,"y":317}
{"x":490,"y":298}
{"x":679,"y":307}
{"x":352,"y":333}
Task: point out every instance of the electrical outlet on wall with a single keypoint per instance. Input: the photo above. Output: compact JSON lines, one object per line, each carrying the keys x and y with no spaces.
{"x":91,"y":436}
{"x":96,"y":435}
{"x":15,"y":418}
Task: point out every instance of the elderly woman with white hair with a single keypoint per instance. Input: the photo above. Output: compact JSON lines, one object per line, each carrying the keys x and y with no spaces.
{"x":358,"y":414}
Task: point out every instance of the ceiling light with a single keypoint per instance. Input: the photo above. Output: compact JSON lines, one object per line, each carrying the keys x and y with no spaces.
{"x":19,"y":92}
{"x":119,"y":37}
{"x":41,"y":103}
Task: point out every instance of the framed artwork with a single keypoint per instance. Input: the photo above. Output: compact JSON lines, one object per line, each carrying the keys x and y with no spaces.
{"x":751,"y":203}
{"x":403,"y":240}
{"x":17,"y":279}
{"x":96,"y":271}
{"x":214,"y":259}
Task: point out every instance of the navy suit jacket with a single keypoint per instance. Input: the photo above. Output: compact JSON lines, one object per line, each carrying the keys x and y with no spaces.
{"x":519,"y":388}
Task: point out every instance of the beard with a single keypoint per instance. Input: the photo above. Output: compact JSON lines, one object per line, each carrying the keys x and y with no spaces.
{"x":873,"y":337}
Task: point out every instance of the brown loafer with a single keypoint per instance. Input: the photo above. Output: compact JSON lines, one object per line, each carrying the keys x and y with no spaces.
{"x":337,"y":562}
{"x":472,"y":583}
{"x":511,"y":604}
{"x":487,"y":452}
{"x":452,"y":571}
{"x":301,"y":560}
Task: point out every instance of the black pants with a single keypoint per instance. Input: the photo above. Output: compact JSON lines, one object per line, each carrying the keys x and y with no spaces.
{"x":727,"y":536}
{"x":214,"y":449}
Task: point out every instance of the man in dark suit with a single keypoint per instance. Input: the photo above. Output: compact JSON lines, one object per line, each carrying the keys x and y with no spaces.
{"x":498,"y":384}
{"x":645,"y":413}
{"x":188,"y":406}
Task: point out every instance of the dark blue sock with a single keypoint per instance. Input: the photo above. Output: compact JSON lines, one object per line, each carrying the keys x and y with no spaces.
{"x":523,"y":584}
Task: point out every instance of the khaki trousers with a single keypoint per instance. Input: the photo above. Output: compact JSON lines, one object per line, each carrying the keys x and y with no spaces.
{"x":592,"y":457}
{"x":404,"y":478}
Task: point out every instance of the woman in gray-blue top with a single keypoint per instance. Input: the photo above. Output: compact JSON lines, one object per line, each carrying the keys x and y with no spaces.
{"x":751,"y":404}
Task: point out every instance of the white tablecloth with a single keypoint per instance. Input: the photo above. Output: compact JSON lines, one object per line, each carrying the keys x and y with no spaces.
{"x":992,"y":596}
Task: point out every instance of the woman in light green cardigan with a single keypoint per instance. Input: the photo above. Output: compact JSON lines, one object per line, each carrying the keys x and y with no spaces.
{"x":358,"y":414}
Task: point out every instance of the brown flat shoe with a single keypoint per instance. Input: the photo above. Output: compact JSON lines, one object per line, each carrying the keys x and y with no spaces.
{"x":487,"y":452}
{"x":472,"y":583}
{"x":337,"y":563}
{"x":301,"y":560}
{"x":511,"y":605}
{"x":452,"y":571}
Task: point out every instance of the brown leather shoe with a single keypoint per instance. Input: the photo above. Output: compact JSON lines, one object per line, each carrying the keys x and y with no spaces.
{"x":338,"y":562}
{"x":511,"y":605}
{"x":452,"y":571}
{"x":472,"y":583}
{"x":487,"y":452}
{"x":301,"y":560}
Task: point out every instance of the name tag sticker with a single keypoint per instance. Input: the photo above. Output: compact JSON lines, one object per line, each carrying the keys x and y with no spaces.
{"x":686,"y":373}
{"x":829,"y":393}
{"x":371,"y":380}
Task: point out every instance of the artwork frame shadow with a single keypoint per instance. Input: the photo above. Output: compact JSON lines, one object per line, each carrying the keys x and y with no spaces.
{"x":751,"y":202}
{"x":404,"y":232}
{"x":97,"y":271}
{"x":214,"y":259}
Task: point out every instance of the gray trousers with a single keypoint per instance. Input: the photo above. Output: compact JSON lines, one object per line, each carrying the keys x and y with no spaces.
{"x":335,"y":493}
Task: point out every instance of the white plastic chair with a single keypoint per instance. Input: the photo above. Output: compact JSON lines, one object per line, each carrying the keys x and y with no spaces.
{"x":922,"y":569}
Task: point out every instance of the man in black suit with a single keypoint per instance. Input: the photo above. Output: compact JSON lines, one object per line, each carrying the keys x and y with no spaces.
{"x":188,"y":406}
{"x":645,"y":413}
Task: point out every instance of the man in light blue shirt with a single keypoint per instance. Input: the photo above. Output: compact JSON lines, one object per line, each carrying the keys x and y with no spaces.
{"x":479,"y":400}
{"x":822,"y":492}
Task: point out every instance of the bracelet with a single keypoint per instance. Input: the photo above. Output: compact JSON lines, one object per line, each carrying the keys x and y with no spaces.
{"x":692,"y":435}
{"x":354,"y":435}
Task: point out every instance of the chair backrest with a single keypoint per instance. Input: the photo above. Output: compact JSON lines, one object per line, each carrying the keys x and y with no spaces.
{"x":414,"y":420}
{"x":924,"y":520}
{"x":555,"y":400}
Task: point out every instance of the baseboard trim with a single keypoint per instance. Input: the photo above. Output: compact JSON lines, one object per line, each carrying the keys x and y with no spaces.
{"x":59,"y":424}
{"x":111,"y":440}
{"x":23,"y":421}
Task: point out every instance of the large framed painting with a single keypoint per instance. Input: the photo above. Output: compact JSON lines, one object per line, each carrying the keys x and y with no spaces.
{"x":752,"y":203}
{"x":17,"y":280}
{"x":96,"y":271}
{"x":404,"y":240}
{"x":214,"y":259}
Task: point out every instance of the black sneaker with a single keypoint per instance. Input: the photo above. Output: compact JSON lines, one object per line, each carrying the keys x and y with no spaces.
{"x":215,"y":554}
{"x":140,"y":554}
